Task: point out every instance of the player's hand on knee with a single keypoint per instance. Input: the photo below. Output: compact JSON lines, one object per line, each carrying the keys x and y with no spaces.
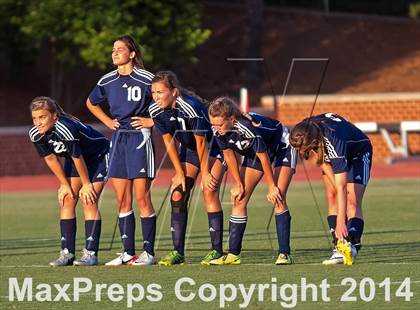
{"x":274,"y":195}
{"x":237,"y":193}
{"x":87,"y":194}
{"x":64,"y":191}
{"x":177,"y":180}
{"x":209,"y":181}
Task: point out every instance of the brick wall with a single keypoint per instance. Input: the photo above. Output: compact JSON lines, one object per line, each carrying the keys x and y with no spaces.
{"x":19,"y":157}
{"x":380,"y":108}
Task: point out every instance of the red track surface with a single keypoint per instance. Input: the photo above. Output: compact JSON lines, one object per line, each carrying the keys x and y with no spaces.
{"x":49,"y":182}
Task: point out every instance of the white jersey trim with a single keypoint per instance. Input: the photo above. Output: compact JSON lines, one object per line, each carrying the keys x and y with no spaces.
{"x":115,"y":72}
{"x":186,"y":107}
{"x":244,"y":130}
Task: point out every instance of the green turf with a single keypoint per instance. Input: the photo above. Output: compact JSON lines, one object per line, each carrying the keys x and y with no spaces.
{"x":29,"y":239}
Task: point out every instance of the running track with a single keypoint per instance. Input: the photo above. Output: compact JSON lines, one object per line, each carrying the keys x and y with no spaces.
{"x":49,"y":182}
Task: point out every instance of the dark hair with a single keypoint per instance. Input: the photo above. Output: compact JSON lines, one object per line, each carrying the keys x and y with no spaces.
{"x":226,"y":107}
{"x":307,"y":136}
{"x":49,"y":104}
{"x":132,"y":46}
{"x":171,"y":81}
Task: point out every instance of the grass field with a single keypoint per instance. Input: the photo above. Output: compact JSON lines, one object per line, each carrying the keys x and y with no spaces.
{"x":391,"y":249}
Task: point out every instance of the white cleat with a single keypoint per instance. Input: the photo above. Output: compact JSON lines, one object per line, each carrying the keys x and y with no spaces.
{"x":65,"y":259}
{"x":336,"y":258}
{"x":89,"y":258}
{"x":122,"y":259}
{"x":144,"y":259}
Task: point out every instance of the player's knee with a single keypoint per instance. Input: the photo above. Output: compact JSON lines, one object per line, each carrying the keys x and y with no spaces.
{"x":179,"y":198}
{"x":90,"y":206}
{"x":209,"y":195}
{"x":239,"y":205}
{"x":331,"y":195}
{"x":69,"y":200}
{"x":143,"y":200}
{"x":176,"y":195}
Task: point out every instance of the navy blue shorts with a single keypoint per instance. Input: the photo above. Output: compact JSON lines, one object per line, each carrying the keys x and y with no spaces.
{"x":189,"y":156}
{"x":359,"y":167}
{"x":285,"y":157}
{"x":132,"y":154}
{"x":97,"y":170}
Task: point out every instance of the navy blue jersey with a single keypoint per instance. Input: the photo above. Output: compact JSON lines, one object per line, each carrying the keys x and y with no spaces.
{"x":70,"y":138}
{"x":343,"y":141}
{"x":127,"y":95}
{"x":247,"y":139}
{"x":188,"y":118}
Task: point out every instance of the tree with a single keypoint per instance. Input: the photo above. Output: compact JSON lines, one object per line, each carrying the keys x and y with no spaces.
{"x":414,"y":10}
{"x":83,"y":31}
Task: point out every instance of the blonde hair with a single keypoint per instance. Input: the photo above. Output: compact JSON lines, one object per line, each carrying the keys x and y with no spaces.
{"x":226,"y":107}
{"x":49,"y":104}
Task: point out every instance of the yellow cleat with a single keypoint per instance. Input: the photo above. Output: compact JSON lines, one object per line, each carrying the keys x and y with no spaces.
{"x":212,"y":255}
{"x":172,"y":258}
{"x":228,"y":259}
{"x":284,"y":259}
{"x":348,"y":251}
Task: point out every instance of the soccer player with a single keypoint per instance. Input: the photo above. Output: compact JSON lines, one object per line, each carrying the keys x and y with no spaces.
{"x":132,"y":166}
{"x":85,"y":152}
{"x":181,"y":114}
{"x":263,"y":143}
{"x":344,"y":153}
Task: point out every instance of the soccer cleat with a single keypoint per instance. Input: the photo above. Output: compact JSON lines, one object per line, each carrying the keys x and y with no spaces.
{"x":348,"y":251}
{"x":122,"y":259}
{"x":172,"y":258}
{"x":88,"y":259}
{"x":144,"y":259}
{"x":210,"y":256}
{"x":65,"y":259}
{"x":336,"y":258}
{"x":228,"y":259}
{"x":284,"y":259}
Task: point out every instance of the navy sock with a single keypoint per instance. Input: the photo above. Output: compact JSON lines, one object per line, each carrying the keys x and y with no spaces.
{"x":127,"y":224}
{"x":178,"y":229}
{"x":68,"y":234}
{"x":148,"y":227}
{"x":216,"y":230}
{"x":355,"y":228}
{"x":92,"y":233}
{"x":332,"y":223}
{"x":283,"y":231}
{"x":237,"y":225}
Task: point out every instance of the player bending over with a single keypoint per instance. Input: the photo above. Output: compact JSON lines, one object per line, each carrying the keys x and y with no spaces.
{"x":181,"y":114}
{"x":344,"y":153}
{"x":263,"y":144}
{"x":85,"y":152}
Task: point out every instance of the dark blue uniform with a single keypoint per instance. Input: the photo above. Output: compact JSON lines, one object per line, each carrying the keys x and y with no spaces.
{"x":347,"y":148}
{"x":71,"y":138}
{"x":132,"y":151}
{"x":188,"y":118}
{"x":269,"y":136}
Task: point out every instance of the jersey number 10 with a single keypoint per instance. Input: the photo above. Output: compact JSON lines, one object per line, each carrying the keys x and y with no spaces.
{"x":133,"y":93}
